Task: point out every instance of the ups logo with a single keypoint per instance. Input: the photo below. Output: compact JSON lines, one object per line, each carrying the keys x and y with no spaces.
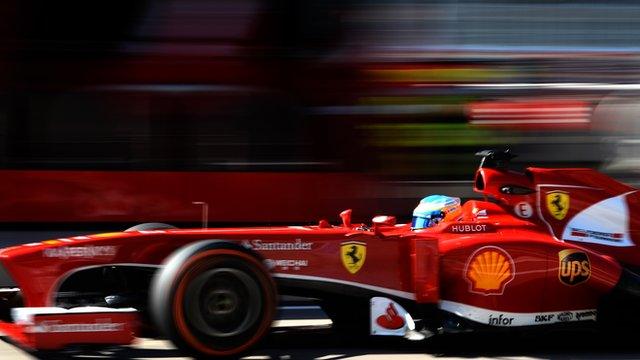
{"x":575,"y":267}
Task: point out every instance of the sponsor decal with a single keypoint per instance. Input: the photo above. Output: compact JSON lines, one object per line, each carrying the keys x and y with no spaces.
{"x":353,"y":255}
{"x":605,"y":222}
{"x":286,"y":264}
{"x":488,"y":270}
{"x":574,"y":267}
{"x":597,"y":235}
{"x":67,"y":252}
{"x":469,"y":228}
{"x":503,"y":318}
{"x":390,"y":319}
{"x":558,"y":203}
{"x":586,"y":315}
{"x":56,"y":326}
{"x":297,"y":245}
{"x":387,"y":317}
{"x":545,"y":318}
{"x":523,"y":209}
{"x":500,"y":320}
{"x":565,"y":316}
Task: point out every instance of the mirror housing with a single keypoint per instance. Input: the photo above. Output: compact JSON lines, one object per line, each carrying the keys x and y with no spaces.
{"x":383,"y":220}
{"x":346,"y":218}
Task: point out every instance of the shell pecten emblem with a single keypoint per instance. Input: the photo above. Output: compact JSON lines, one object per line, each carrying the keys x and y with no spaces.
{"x":489,"y":269}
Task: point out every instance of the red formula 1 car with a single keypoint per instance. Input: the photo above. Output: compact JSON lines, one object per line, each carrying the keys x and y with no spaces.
{"x":547,"y":247}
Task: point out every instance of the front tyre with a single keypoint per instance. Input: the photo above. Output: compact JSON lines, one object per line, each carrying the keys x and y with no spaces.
{"x":213,"y":298}
{"x":150,"y":226}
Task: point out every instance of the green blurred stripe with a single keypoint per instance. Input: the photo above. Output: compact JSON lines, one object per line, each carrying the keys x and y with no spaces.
{"x":430,"y":134}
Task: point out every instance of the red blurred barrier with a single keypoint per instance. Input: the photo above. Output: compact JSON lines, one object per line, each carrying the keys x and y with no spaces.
{"x":531,"y":114}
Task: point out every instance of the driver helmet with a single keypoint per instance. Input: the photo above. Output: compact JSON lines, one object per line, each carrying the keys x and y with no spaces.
{"x":434,"y":208}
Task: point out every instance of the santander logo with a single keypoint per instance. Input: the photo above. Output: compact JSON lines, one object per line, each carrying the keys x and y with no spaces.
{"x":390,"y":320}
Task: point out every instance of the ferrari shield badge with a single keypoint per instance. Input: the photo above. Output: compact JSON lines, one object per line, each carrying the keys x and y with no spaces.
{"x":558,"y":204}
{"x":353,"y":254}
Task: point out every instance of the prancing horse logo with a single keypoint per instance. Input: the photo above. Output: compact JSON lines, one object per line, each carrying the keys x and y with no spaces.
{"x":558,"y":204}
{"x":353,"y":254}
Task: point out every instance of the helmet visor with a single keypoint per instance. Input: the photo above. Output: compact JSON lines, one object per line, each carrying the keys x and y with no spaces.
{"x":420,"y":222}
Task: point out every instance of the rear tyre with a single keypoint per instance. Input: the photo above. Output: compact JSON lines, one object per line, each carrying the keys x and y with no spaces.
{"x":213,"y":298}
{"x":150,"y":226}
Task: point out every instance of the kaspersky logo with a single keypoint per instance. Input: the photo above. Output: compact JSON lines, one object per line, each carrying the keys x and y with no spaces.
{"x":574,"y":267}
{"x":489,"y":269}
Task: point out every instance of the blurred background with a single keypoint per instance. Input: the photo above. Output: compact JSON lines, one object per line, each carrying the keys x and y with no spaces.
{"x":114,"y":113}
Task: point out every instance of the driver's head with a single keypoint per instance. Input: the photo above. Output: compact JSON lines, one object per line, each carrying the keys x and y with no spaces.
{"x":433,"y":209}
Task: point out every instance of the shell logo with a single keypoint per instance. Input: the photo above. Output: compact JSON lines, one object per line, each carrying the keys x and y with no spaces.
{"x":488,"y":270}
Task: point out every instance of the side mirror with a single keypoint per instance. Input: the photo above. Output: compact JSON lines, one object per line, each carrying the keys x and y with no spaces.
{"x":324,"y":224}
{"x":383,"y":220}
{"x":346,"y":218}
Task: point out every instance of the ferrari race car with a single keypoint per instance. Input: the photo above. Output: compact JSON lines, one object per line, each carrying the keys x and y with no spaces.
{"x":546,"y":247}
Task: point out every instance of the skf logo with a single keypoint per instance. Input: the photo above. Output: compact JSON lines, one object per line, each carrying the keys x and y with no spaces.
{"x":353,"y":254}
{"x":558,"y":204}
{"x":488,"y":270}
{"x":575,"y":267}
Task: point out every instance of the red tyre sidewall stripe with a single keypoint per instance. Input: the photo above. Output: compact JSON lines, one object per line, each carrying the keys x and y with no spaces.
{"x":187,"y":275}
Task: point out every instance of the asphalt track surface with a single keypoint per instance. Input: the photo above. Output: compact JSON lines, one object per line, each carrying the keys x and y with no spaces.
{"x":319,"y":342}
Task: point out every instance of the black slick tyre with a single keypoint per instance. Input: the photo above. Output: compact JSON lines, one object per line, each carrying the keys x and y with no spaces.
{"x":213,"y":299}
{"x":150,"y":226}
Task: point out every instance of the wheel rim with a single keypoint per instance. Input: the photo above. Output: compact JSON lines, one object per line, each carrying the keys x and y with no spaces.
{"x":223,"y":302}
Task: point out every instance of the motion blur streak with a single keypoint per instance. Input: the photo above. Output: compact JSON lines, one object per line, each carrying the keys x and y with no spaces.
{"x":378,"y":93}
